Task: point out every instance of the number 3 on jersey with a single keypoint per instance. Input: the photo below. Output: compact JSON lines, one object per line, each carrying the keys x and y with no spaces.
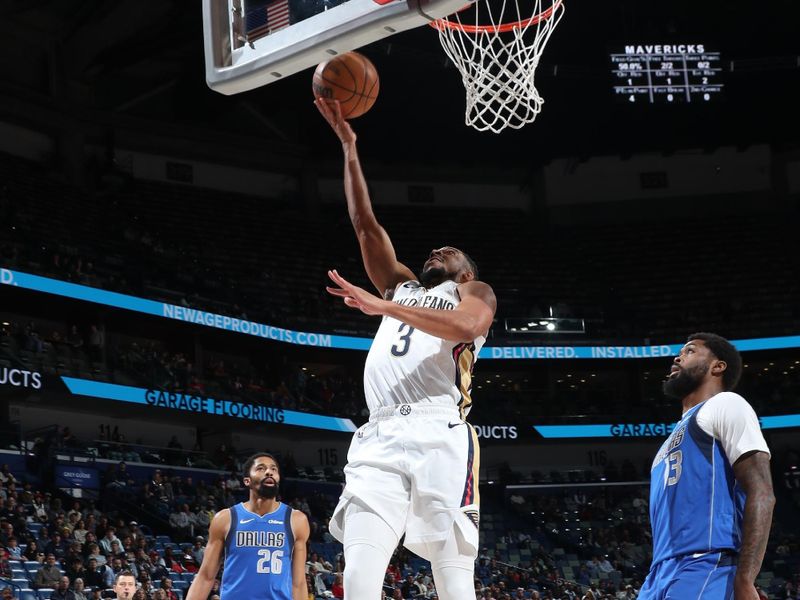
{"x":404,"y":341}
{"x":270,"y":562}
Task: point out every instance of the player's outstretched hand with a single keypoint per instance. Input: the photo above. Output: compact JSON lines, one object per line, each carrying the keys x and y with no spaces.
{"x":332,"y":111}
{"x":354,"y":296}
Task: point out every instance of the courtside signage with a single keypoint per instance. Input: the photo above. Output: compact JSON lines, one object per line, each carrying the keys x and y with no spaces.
{"x":179,"y":313}
{"x":643,"y":430}
{"x":324,"y":340}
{"x":159,"y":399}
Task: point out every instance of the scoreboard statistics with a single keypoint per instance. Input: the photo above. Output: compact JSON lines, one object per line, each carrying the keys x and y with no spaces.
{"x":666,"y":74}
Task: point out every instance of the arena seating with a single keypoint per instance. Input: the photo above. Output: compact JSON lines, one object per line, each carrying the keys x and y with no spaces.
{"x":173,"y":243}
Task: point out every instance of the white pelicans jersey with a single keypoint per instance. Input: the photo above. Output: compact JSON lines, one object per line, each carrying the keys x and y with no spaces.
{"x":408,"y":366}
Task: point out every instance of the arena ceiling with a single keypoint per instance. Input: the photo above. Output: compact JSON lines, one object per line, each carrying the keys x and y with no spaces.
{"x":103,"y":62}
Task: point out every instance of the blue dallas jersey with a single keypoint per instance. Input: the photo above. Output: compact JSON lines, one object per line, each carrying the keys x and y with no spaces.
{"x":696,"y":505}
{"x":258,"y":555}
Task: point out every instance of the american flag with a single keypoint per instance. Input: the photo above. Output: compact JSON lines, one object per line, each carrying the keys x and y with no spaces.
{"x":262,"y":17}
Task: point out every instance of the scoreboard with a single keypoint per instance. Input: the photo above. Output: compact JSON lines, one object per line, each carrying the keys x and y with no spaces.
{"x":666,"y":74}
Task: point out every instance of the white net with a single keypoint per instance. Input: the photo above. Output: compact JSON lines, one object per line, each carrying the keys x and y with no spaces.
{"x":498,"y":61}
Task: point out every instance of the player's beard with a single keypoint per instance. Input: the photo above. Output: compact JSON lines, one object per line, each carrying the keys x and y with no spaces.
{"x":434,"y":276}
{"x":685,"y":382}
{"x":268,"y":491}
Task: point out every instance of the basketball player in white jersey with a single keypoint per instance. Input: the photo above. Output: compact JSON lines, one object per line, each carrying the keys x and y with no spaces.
{"x":412,"y":469}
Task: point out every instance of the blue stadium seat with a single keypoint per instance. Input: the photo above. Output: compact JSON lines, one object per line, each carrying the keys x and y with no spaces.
{"x":45,"y":593}
{"x":21,"y":582}
{"x":163,"y":539}
{"x":28,"y":595}
{"x":180,"y":585}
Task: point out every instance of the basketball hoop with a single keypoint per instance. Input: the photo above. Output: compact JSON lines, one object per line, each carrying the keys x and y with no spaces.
{"x":498,"y":61}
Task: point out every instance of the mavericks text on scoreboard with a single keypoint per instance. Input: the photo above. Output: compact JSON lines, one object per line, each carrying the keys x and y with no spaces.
{"x":666,"y":74}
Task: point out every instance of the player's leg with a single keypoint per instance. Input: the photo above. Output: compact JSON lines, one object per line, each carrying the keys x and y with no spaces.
{"x":708,"y":577}
{"x":656,"y":581}
{"x":453,"y":564}
{"x":442,"y":523}
{"x":369,"y":542}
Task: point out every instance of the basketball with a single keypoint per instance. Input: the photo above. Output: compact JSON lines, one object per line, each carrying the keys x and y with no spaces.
{"x":349,"y":78}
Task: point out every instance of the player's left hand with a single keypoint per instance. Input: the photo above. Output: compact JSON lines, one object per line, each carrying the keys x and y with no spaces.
{"x":744,"y":590}
{"x":354,"y":296}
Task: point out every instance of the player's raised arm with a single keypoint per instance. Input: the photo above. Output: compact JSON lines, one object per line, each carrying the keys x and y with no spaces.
{"x":301,"y":532}
{"x":752,"y":474}
{"x":204,"y":580}
{"x":377,"y":251}
{"x":471,"y":319}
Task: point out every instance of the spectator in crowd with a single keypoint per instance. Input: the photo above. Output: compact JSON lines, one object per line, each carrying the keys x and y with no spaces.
{"x":62,"y":591}
{"x":109,"y":538}
{"x":189,"y":564}
{"x":317,"y":583}
{"x":337,"y":589}
{"x":78,"y":589}
{"x":171,"y":561}
{"x":198,"y":549}
{"x":166,"y":585}
{"x":75,"y":568}
{"x":6,"y":532}
{"x":48,"y":575}
{"x":80,"y":531}
{"x":148,"y":589}
{"x":158,"y":568}
{"x":183,"y":520}
{"x":56,"y":546}
{"x":33,"y":551}
{"x":94,"y":553}
{"x":603,"y":565}
{"x":109,"y":579}
{"x":14,"y":549}
{"x":39,"y":508}
{"x":233,"y":483}
{"x":322,"y":565}
{"x":7,"y":594}
{"x":96,"y":343}
{"x":74,"y":339}
{"x":6,"y":476}
{"x":93,"y":577}
{"x":5,"y":566}
{"x":117,"y":567}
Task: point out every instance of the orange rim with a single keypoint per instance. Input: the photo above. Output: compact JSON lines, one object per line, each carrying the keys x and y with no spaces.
{"x":504,"y":28}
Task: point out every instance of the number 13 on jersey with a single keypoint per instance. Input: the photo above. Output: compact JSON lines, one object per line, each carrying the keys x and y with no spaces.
{"x":672,"y":473}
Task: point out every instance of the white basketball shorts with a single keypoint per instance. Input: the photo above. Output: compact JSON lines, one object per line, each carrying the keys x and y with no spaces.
{"x":416,"y":466}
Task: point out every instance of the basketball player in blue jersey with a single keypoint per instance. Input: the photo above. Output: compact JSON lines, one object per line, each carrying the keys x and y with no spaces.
{"x":263,"y":542}
{"x":711,"y":494}
{"x":412,"y":469}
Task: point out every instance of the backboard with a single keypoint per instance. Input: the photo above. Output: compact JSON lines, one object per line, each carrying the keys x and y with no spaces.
{"x":251,"y":43}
